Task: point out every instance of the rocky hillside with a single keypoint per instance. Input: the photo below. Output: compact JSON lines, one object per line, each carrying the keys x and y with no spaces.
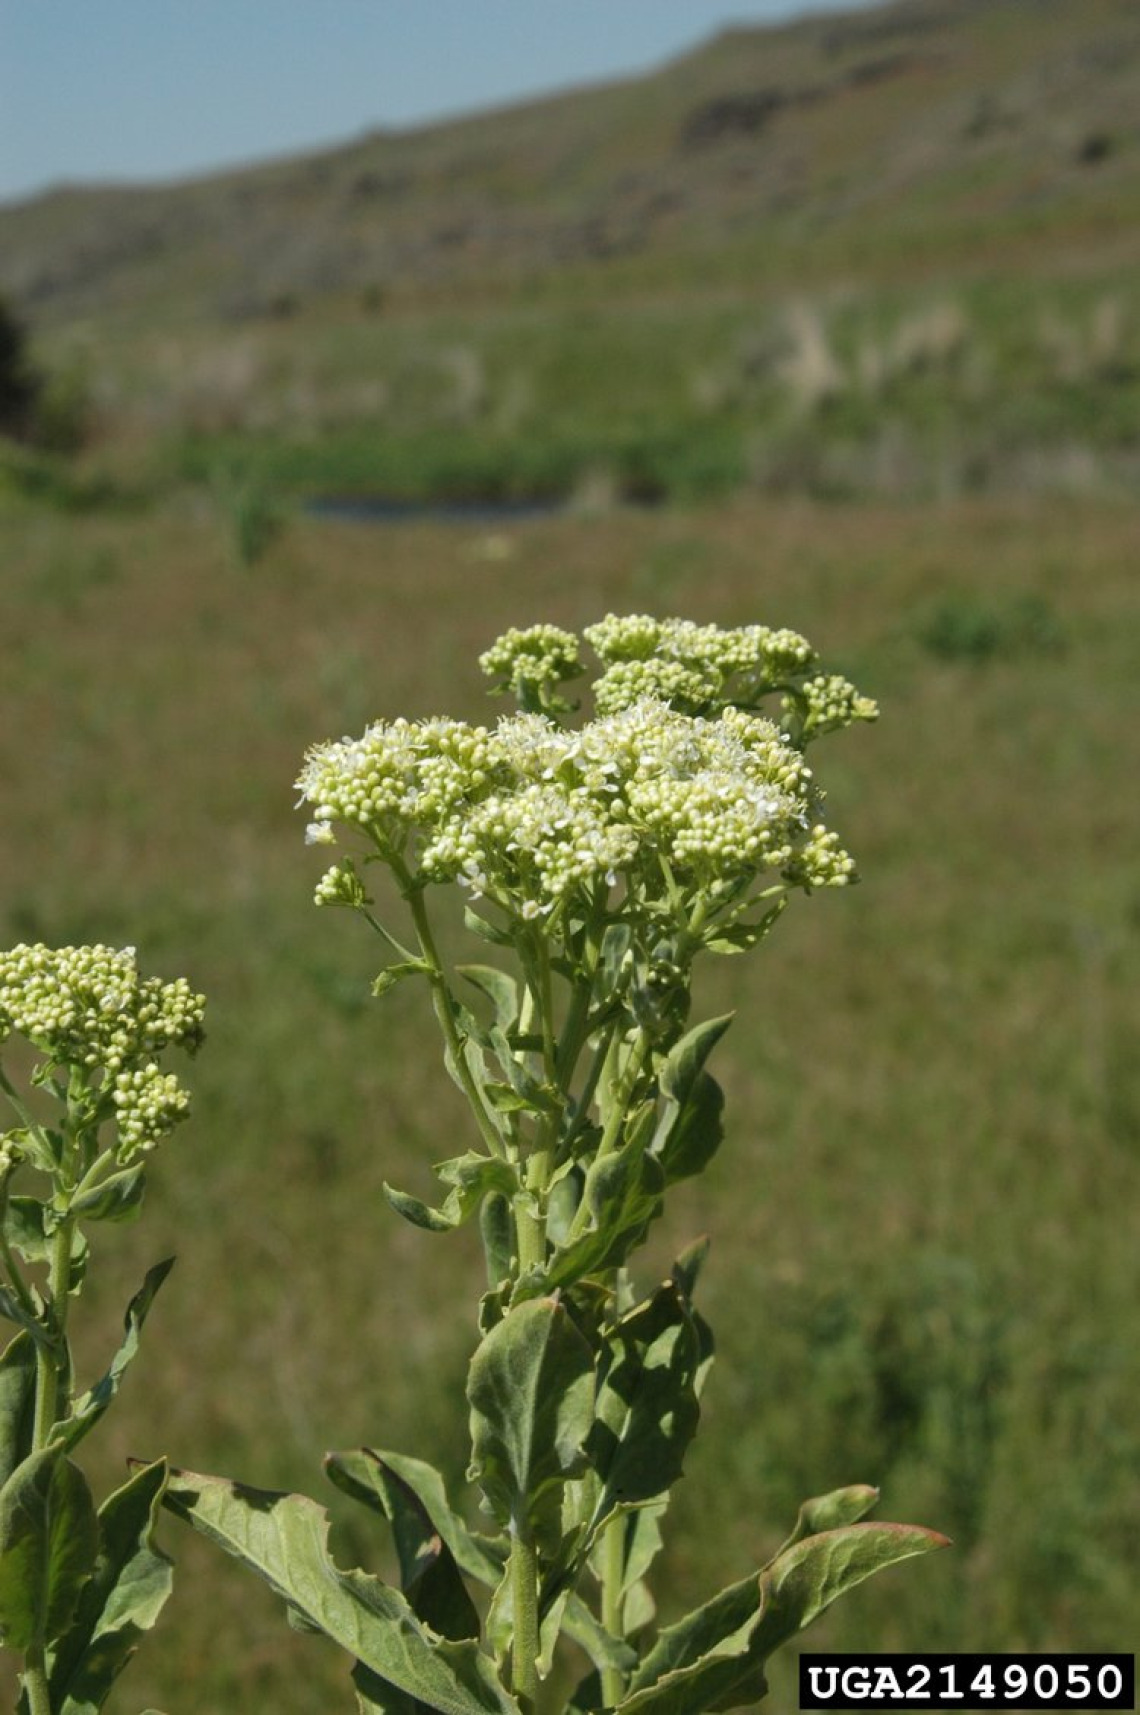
{"x":920,"y":134}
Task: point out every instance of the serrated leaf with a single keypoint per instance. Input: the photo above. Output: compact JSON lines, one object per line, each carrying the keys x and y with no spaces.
{"x":126,"y":1593}
{"x":89,"y":1408}
{"x":531,"y":1393}
{"x":429,"y":1575}
{"x":714,"y":1658}
{"x":118,"y":1198}
{"x":500,"y":989}
{"x":284,"y":1539}
{"x":48,"y":1540}
{"x":17,"y":1403}
{"x":622,"y":1195}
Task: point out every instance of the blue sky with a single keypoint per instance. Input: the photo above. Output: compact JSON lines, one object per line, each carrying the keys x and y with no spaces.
{"x":146,"y":89}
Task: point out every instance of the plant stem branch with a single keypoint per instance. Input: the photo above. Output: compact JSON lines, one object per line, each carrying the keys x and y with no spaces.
{"x":441,"y":997}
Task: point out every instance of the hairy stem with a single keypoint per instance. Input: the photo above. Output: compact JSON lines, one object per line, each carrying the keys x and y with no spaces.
{"x":36,"y":1682}
{"x":524,"y":1589}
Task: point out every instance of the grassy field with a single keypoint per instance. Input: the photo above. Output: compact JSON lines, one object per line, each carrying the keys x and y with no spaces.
{"x":926,"y":1258}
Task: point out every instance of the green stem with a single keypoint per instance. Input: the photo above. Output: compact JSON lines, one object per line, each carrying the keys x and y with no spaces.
{"x":524,"y":1589}
{"x":441,"y":998}
{"x":49,"y":1361}
{"x":36,"y":1682}
{"x":613,"y":1574}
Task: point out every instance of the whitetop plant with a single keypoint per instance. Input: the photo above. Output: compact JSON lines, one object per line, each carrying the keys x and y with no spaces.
{"x":599,"y":859}
{"x":77,"y":1587}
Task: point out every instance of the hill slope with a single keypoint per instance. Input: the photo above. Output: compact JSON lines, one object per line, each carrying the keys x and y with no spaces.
{"x":912,"y":134}
{"x":896,"y":251}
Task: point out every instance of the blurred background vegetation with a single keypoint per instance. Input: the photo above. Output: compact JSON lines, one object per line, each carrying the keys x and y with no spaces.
{"x":836,"y":327}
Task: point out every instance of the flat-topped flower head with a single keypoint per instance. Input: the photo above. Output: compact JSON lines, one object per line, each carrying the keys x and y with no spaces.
{"x":679,"y":782}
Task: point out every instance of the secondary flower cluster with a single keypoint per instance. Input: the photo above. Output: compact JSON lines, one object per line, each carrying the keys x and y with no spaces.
{"x":88,"y":1008}
{"x":698,"y":669}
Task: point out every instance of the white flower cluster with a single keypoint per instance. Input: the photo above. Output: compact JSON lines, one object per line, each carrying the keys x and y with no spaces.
{"x":697,"y":668}
{"x":399,"y":775}
{"x":88,"y":1007}
{"x":532,"y":812}
{"x":531,"y":663}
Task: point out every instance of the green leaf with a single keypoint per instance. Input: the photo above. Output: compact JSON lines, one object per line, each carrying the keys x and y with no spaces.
{"x":118,"y":1198}
{"x":374,"y":1697}
{"x":284,"y":1539}
{"x":29,"y":1228}
{"x":393,"y":974}
{"x":622,"y":1196}
{"x":587,"y":1631}
{"x":496,"y":1226}
{"x":691,"y":1128}
{"x":500,"y":989}
{"x":531,"y":1392}
{"x":481,"y":1557}
{"x":471,"y":1177}
{"x":89,"y":1408}
{"x":647,"y":1411}
{"x":429,"y":1575}
{"x":742,"y":937}
{"x":830,"y":1512}
{"x":486,"y":930}
{"x":129,"y":1586}
{"x":48,"y":1538}
{"x":714,"y":1658}
{"x":417,"y":1212}
{"x":17,"y":1403}
{"x":13,"y":1310}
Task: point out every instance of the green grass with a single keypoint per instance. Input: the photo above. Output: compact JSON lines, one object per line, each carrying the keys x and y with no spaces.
{"x":924,"y":1271}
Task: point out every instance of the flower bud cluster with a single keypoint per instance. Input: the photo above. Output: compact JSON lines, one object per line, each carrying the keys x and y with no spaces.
{"x":148,"y":1104}
{"x":698,"y":668}
{"x":827,"y":703}
{"x":88,"y":1008}
{"x":533,"y":663}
